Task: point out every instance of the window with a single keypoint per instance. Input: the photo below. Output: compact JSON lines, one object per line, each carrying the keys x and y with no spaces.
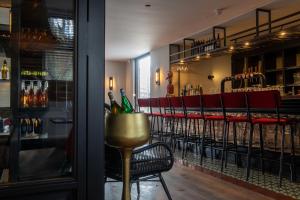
{"x":143,"y":77}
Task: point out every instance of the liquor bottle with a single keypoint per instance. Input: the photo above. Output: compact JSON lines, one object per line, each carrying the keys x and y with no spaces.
{"x":31,"y":95}
{"x":126,"y":105}
{"x":26,"y":95}
{"x":44,"y":97}
{"x":4,"y":71}
{"x":22,"y":94}
{"x":114,"y":106}
{"x":35,"y":89}
{"x":192,"y":47}
{"x":218,"y":42}
{"x":39,"y":94}
{"x":201,"y":47}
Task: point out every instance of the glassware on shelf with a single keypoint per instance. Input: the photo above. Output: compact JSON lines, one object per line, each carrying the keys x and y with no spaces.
{"x":296,"y":77}
{"x":37,"y":126}
{"x":31,"y":127}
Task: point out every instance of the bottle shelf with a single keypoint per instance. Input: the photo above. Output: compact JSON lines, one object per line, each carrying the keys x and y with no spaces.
{"x":283,"y":69}
{"x":275,"y":70}
{"x":197,"y":57}
{"x":292,"y":68}
{"x":33,"y":109}
{"x":293,"y":85}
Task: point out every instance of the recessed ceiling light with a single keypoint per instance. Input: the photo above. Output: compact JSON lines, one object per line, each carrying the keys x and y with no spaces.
{"x":147,"y":5}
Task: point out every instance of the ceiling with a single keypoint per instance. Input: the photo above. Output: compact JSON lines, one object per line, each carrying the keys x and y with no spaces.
{"x":133,"y":29}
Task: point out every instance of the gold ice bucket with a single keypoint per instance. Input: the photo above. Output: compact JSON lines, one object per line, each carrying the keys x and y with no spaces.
{"x":126,"y":131}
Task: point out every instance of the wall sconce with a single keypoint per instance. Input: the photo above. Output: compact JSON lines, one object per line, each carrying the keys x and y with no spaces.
{"x":210,"y":77}
{"x":157,"y":76}
{"x":111,"y":83}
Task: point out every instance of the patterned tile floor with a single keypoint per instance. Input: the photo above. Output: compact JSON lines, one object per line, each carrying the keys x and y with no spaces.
{"x":267,"y":180}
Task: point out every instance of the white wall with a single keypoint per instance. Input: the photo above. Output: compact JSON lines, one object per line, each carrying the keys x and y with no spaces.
{"x":159,"y":59}
{"x":117,"y":70}
{"x":220,"y":67}
{"x":197,"y":74}
{"x":130,"y":79}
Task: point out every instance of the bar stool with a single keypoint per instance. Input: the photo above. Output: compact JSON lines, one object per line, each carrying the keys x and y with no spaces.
{"x":234,"y":111}
{"x":270,"y":101}
{"x":211,"y":103}
{"x":178,"y":120}
{"x":166,"y":117}
{"x":192,"y":104}
{"x":144,"y":106}
{"x":155,"y":116}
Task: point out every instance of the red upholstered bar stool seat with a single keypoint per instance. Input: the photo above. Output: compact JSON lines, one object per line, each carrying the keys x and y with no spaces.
{"x":194,"y":116}
{"x":178,"y":120}
{"x":155,"y":119}
{"x":234,"y":111}
{"x":166,"y":123}
{"x":144,"y":106}
{"x":269,"y":101}
{"x":211,"y":106}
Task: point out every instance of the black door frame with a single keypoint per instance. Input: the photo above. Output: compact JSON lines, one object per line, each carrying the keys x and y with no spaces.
{"x":89,"y":75}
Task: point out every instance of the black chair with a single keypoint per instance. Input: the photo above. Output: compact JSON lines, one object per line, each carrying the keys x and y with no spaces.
{"x":147,"y":164}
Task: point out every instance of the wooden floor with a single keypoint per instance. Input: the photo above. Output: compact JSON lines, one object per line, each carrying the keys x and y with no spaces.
{"x":185,"y":183}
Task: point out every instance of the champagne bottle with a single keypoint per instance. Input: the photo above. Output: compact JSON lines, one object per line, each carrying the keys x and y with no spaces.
{"x":114,"y":106}
{"x":126,"y":105}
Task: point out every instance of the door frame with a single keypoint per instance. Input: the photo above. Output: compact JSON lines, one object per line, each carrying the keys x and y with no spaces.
{"x":88,"y":180}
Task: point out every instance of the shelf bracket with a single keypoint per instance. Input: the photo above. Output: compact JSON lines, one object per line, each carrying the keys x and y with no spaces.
{"x":184,"y":44}
{"x":215,"y":28}
{"x":177,"y":49}
{"x":269,"y":23}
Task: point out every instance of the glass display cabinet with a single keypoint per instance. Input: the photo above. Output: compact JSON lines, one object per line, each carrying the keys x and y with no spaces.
{"x":44,"y":97}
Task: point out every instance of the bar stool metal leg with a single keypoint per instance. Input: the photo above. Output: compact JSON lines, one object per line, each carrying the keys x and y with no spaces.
{"x":292,"y":166}
{"x":249,"y":151}
{"x":202,"y":142}
{"x":261,"y":149}
{"x":226,"y":145}
{"x":235,"y":143}
{"x":223,"y":145}
{"x":211,"y":140}
{"x":281,"y":155}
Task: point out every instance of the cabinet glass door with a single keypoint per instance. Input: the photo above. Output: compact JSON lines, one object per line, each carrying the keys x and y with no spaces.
{"x":36,"y":89}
